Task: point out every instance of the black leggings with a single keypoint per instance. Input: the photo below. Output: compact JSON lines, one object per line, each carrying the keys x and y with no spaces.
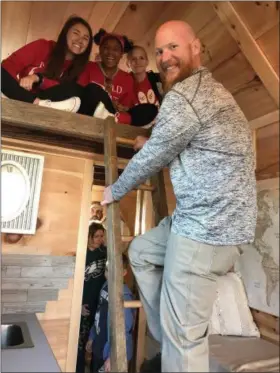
{"x":90,"y":95}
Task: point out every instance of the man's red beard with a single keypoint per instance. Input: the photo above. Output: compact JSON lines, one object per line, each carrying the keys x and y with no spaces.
{"x":184,"y":73}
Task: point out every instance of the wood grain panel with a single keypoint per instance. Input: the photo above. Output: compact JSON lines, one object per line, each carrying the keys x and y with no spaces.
{"x":56,"y":332}
{"x":241,"y":73}
{"x":268,"y":151}
{"x":113,"y":18}
{"x":217,"y":44}
{"x":79,"y":8}
{"x":142,"y":16}
{"x":238,"y":29}
{"x":41,"y":14}
{"x":14,"y":34}
{"x":269,"y":43}
{"x":254,"y":100}
{"x":260,"y":16}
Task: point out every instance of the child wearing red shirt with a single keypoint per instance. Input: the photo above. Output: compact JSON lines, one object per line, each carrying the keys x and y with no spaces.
{"x":118,"y":84}
{"x":44,"y":70}
{"x":147,"y":85}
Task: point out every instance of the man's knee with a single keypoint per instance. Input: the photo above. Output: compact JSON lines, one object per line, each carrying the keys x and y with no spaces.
{"x":134,"y":251}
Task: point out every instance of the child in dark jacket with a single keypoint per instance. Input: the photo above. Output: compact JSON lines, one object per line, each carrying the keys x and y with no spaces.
{"x":98,"y":344}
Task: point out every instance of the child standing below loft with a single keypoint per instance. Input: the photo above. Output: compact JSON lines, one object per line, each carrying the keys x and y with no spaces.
{"x":98,"y":344}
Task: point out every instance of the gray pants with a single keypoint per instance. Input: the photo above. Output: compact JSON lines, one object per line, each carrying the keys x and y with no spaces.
{"x":177,"y":283}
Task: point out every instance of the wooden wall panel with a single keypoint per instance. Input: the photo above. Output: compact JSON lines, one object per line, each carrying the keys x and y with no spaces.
{"x":262,"y":19}
{"x":260,"y":16}
{"x":254,"y":100}
{"x":241,"y":73}
{"x":268,"y":152}
{"x":14,"y":34}
{"x":80,"y":8}
{"x":217,"y":44}
{"x":41,"y":14}
{"x":269,"y":43}
{"x":142,"y":16}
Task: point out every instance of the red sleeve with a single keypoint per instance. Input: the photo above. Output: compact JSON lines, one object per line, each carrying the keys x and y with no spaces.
{"x":129,"y":98}
{"x":85,"y":76}
{"x":48,"y":83}
{"x":25,"y":56}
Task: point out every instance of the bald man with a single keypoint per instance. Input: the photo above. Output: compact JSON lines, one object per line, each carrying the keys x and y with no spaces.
{"x":204,"y":138}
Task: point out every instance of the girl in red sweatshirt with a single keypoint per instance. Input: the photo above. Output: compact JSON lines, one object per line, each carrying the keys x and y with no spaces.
{"x":119,"y":98}
{"x":45,"y":70}
{"x":147,"y":84}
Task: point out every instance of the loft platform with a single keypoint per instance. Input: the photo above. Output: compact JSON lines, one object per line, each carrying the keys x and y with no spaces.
{"x":30,"y":122}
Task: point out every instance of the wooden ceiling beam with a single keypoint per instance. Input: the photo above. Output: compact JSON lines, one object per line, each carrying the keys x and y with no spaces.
{"x":265,"y":120}
{"x":256,"y":57}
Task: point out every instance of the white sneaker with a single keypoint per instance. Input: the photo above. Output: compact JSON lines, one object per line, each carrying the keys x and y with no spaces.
{"x":101,"y":112}
{"x":71,"y":104}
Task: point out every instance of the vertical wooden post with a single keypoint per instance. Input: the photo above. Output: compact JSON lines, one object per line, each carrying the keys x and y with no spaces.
{"x":79,"y":275}
{"x":139,"y":212}
{"x":141,"y":338}
{"x":159,"y":197}
{"x":115,"y":273}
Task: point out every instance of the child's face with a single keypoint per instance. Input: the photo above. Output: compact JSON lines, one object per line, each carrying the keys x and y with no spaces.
{"x":138,"y":61}
{"x":97,"y":240}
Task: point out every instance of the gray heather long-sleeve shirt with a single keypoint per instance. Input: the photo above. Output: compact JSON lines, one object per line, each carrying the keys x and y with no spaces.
{"x":205,"y":139}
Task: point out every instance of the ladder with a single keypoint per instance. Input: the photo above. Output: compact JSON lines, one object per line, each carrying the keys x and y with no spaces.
{"x":114,"y":241}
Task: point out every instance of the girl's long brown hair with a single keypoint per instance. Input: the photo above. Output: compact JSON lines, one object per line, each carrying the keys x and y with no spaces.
{"x":58,"y":54}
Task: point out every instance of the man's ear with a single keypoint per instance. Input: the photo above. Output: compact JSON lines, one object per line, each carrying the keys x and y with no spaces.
{"x":196,"y":47}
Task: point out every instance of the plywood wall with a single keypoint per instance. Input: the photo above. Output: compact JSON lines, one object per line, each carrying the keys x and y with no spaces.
{"x":59,"y":213}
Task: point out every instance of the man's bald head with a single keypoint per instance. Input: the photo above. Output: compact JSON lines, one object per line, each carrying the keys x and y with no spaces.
{"x":177,"y":27}
{"x":177,"y":52}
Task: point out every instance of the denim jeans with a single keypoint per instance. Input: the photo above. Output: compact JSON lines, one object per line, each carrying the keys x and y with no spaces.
{"x":176,"y":277}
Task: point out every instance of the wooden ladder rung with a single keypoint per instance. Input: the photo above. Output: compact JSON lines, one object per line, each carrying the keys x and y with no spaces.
{"x":127,"y":238}
{"x":132,"y":304}
{"x":146,"y":187}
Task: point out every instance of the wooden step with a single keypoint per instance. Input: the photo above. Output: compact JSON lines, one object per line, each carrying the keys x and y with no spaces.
{"x":127,"y":238}
{"x":132,"y":304}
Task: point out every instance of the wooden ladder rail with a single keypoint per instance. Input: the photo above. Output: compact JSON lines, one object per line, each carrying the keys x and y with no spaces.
{"x":114,"y":239}
{"x":118,"y":357}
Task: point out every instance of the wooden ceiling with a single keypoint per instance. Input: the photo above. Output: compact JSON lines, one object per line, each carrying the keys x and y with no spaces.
{"x":240,"y":40}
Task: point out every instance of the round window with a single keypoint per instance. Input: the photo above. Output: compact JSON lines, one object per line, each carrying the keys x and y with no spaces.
{"x":15,"y":190}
